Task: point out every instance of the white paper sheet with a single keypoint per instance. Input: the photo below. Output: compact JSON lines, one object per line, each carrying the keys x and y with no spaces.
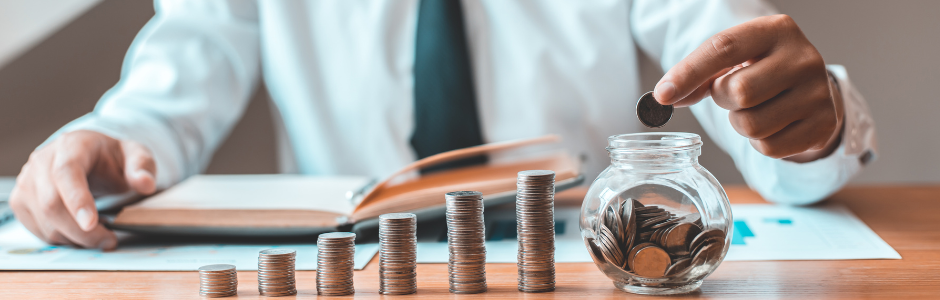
{"x":762,"y":232}
{"x":831,"y":232}
{"x":20,"y":250}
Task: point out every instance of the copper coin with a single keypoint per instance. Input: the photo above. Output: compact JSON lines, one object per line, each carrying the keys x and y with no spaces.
{"x":679,"y":266}
{"x":678,"y":240}
{"x":633,"y":252}
{"x":651,"y":262}
{"x":706,"y":235}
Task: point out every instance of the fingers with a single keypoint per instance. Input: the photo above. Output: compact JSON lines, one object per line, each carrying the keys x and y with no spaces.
{"x":702,"y":91}
{"x":764,"y":79}
{"x":794,"y":139}
{"x":18,"y":197}
{"x":139,"y":168}
{"x":53,"y":208}
{"x":53,"y":198}
{"x":769,"y":118}
{"x":726,"y":49}
{"x":69,"y":171}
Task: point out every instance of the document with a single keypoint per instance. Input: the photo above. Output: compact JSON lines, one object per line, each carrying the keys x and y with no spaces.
{"x":20,"y":250}
{"x":830,"y":232}
{"x":761,"y":232}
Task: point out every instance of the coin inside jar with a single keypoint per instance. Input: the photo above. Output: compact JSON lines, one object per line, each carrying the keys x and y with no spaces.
{"x":651,"y":113}
{"x":651,"y":261}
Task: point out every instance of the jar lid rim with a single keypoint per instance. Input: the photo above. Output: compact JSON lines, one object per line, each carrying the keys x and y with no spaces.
{"x":654,"y":141}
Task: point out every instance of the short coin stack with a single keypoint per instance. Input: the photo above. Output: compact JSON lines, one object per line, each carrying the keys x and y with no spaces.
{"x":397,"y":254}
{"x":276,"y":272}
{"x":465,"y":241}
{"x":652,"y":242}
{"x":218,"y":281}
{"x":335,"y":252}
{"x":535,"y":227}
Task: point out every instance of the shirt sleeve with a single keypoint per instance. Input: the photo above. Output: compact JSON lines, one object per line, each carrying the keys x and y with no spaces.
{"x":185,"y":81}
{"x":670,"y":30}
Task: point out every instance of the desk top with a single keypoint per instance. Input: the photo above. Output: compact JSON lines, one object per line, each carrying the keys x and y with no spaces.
{"x":907,"y":217}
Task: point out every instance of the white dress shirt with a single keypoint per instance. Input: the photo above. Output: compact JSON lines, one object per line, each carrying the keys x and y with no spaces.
{"x":340,"y":76}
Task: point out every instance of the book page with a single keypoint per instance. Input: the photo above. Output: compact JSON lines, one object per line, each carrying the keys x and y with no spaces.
{"x":258,"y":192}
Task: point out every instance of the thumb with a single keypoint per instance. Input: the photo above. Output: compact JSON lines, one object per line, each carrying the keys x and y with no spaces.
{"x":140,"y":170}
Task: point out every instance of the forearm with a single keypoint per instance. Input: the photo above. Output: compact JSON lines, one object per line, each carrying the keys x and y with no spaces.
{"x":185,"y":81}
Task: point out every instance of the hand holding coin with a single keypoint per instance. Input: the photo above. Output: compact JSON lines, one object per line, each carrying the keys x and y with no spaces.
{"x":651,"y":113}
{"x":772,"y":80}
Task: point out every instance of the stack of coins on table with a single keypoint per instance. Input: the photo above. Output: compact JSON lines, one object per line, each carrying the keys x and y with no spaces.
{"x":335,"y":252}
{"x":397,"y":254}
{"x":465,"y":241}
{"x":535,"y":227}
{"x":653,"y":242}
{"x":276,"y":272}
{"x":218,"y":281}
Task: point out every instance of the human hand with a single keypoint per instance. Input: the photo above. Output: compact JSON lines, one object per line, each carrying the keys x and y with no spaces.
{"x":772,"y":80}
{"x":53,"y":193}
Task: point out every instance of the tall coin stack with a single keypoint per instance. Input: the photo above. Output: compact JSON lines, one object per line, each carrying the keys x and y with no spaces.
{"x":397,"y":254}
{"x":218,"y":281}
{"x":535,"y":228}
{"x":465,"y":241}
{"x":276,"y":272}
{"x":335,"y":251}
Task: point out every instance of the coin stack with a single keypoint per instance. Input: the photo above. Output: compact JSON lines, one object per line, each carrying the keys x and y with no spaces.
{"x":465,"y":241}
{"x":397,"y":254}
{"x":218,"y":281}
{"x":276,"y":272}
{"x":535,"y":228}
{"x":653,"y":242}
{"x":335,"y":251}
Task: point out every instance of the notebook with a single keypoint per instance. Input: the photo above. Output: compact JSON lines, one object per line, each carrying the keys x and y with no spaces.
{"x":284,"y":205}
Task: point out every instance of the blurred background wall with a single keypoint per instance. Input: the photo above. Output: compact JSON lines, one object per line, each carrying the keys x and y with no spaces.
{"x":57,"y":57}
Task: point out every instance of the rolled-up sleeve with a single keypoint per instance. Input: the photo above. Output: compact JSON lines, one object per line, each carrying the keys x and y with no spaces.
{"x":185,"y":82}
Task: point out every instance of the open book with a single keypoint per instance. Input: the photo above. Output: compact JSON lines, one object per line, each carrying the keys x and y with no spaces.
{"x":265,"y":205}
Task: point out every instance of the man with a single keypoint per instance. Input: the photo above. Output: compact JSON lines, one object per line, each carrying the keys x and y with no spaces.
{"x":365,"y":87}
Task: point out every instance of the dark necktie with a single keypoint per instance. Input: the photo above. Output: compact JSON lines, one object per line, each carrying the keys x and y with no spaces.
{"x":445,"y":109}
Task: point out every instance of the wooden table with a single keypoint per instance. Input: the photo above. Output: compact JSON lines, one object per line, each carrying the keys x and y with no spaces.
{"x":907,"y":217}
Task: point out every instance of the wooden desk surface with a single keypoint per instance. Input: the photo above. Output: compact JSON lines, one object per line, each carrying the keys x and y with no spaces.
{"x":907,"y":217}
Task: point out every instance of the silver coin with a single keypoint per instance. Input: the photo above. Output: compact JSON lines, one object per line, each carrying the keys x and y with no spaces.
{"x":651,"y":113}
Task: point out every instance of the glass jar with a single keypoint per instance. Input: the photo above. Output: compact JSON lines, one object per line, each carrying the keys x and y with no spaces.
{"x":655,"y":221}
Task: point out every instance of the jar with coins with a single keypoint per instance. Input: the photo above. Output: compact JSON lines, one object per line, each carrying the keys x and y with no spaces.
{"x":655,"y":221}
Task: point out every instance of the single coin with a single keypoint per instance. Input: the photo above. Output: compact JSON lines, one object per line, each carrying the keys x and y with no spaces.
{"x":217,"y":268}
{"x":651,"y":262}
{"x":278,"y":252}
{"x":637,"y":248}
{"x":614,"y":223}
{"x":706,"y":235}
{"x":651,"y":113}
{"x":707,"y":253}
{"x":654,"y":220}
{"x":678,"y":266}
{"x":678,"y":240}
